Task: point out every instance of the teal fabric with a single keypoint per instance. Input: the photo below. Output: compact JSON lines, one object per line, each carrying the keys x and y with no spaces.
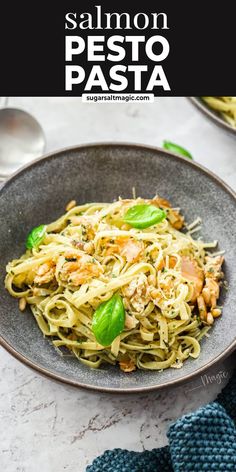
{"x":202,"y":441}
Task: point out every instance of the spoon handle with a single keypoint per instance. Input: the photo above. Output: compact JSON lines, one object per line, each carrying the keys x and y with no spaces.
{"x":3,"y":178}
{"x":4,"y":102}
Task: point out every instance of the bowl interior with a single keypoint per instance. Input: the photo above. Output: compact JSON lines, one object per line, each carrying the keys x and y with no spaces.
{"x":103,"y":172}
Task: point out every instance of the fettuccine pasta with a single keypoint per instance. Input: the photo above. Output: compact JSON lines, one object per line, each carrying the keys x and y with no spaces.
{"x":226,"y":106}
{"x":166,"y":282}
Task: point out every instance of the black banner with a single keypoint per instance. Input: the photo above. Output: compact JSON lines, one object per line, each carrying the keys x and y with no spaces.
{"x":164,"y":48}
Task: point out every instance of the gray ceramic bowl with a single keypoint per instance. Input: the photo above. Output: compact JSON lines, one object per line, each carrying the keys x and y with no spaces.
{"x":212,"y":115}
{"x":102,"y":172}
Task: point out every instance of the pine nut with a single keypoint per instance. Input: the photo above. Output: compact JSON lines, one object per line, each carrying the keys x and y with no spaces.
{"x":206,"y":295}
{"x":22,"y":304}
{"x":70,"y":205}
{"x":89,"y":247}
{"x":155,"y":293}
{"x":210,"y":319}
{"x":216,"y":312}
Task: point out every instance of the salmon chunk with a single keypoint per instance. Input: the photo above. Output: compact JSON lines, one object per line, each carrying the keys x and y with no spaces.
{"x":192,"y":272}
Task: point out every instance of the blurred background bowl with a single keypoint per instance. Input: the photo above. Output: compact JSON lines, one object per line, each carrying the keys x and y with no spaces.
{"x":212,"y":115}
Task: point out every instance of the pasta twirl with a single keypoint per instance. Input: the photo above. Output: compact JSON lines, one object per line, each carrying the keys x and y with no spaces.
{"x":165,"y":281}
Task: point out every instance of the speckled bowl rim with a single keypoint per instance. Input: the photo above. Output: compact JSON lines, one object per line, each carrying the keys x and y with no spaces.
{"x":48,"y":373}
{"x":196,"y":101}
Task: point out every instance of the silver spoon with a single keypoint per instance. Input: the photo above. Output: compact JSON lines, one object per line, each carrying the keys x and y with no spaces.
{"x":21,"y":139}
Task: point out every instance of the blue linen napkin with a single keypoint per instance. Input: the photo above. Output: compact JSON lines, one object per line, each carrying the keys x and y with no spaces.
{"x":202,"y":441}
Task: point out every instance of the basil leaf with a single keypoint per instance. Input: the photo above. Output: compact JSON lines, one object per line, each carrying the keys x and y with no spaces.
{"x":177,"y":149}
{"x":109,"y":320}
{"x":35,"y":236}
{"x":142,"y":216}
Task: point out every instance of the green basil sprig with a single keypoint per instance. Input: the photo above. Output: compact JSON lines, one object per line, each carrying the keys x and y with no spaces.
{"x":35,"y":237}
{"x":177,"y":149}
{"x":109,"y":320}
{"x":142,"y":216}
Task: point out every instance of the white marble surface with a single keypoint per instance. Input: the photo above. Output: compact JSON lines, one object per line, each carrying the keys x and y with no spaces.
{"x":53,"y":427}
